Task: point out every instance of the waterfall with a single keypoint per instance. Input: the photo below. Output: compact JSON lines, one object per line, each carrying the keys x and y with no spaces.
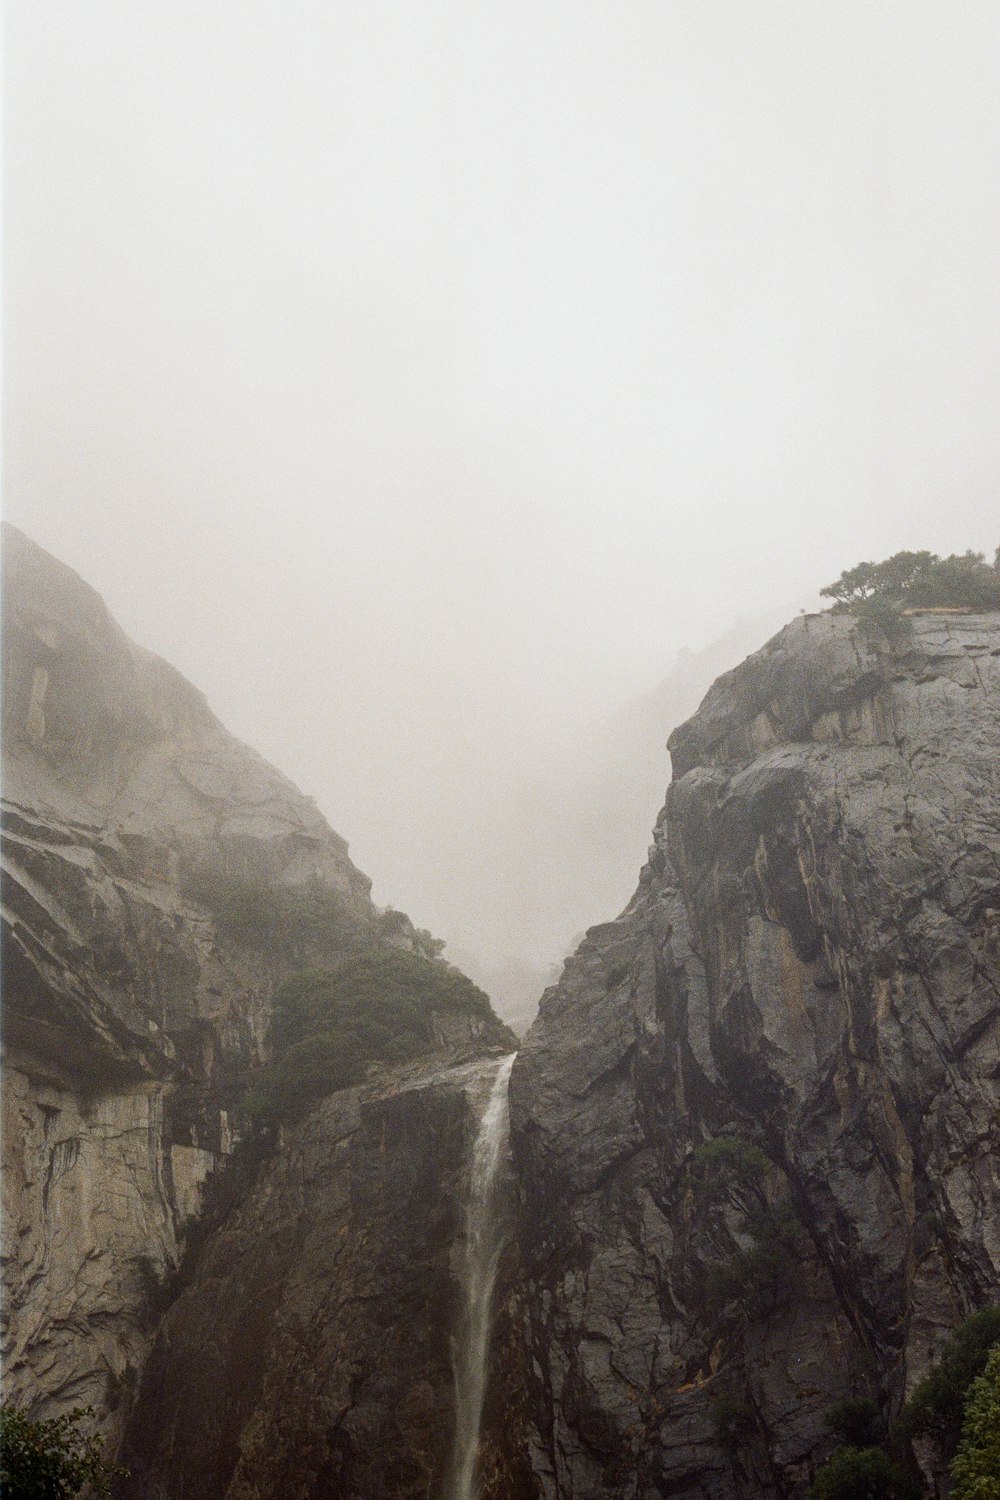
{"x":484,"y":1237}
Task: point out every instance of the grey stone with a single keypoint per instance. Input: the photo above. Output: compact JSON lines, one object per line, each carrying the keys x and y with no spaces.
{"x":813,"y":964}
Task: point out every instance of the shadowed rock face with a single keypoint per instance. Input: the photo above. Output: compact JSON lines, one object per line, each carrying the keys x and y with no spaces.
{"x":309,"y":1352}
{"x":811,"y":963}
{"x":133,"y":1016}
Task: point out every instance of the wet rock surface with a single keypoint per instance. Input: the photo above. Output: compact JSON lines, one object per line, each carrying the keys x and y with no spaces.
{"x":134,"y":1015}
{"x":310,"y":1351}
{"x":807,"y":977}
{"x":810,"y":966}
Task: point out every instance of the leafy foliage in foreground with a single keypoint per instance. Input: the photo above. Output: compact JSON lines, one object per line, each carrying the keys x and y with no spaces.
{"x":963,"y":1386}
{"x":937,"y":1405}
{"x":863,"y":1474}
{"x":50,"y":1459}
{"x":976,"y":1470}
{"x":329,"y":1025}
{"x":956,"y":1405}
{"x":918,"y":580}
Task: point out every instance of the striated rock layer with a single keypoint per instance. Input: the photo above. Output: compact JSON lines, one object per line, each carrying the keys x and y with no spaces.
{"x":135,"y":1004}
{"x":809,"y":972}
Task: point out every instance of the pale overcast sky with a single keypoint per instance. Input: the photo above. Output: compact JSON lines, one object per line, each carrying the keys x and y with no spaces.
{"x":419,"y":377}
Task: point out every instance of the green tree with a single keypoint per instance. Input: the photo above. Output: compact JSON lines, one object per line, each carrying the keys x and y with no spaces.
{"x":962,"y":580}
{"x":725,"y":1160}
{"x":863,"y":1474}
{"x":50,"y":1459}
{"x":976,"y":1469}
{"x":293,"y":922}
{"x":938,"y":1402}
{"x":854,"y":585}
{"x":730,"y":1170}
{"x":383,"y":1005}
{"x":856,"y":1420}
{"x":919,"y":580}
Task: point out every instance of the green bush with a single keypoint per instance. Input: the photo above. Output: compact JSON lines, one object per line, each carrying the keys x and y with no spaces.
{"x":938,"y":1402}
{"x":887,"y":616}
{"x":863,"y":1474}
{"x":396,"y":924}
{"x":856,"y":1420}
{"x":289,"y":920}
{"x":758,"y":1278}
{"x":393,"y":923}
{"x":50,"y":1459}
{"x":976,"y":1469}
{"x":427,"y":944}
{"x":726,"y":1159}
{"x":918,"y":580}
{"x":329,"y":1025}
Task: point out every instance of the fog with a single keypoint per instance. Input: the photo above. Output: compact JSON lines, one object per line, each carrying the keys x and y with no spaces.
{"x":421,"y":379}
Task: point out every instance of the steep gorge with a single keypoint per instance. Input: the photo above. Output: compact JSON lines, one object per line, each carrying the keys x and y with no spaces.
{"x":755,"y":1127}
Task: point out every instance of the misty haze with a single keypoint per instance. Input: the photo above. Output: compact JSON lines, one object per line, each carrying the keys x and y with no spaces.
{"x":414,"y":416}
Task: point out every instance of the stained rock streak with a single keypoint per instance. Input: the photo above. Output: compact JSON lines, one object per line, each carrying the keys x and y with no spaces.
{"x":808,"y":976}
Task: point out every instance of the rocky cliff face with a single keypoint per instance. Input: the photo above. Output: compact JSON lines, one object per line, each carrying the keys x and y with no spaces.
{"x":136,"y":989}
{"x":755,"y":1128}
{"x":309,"y":1351}
{"x":756,"y":1124}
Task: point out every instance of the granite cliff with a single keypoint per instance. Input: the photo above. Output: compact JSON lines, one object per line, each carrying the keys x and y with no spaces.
{"x":308,"y":1351}
{"x":756,"y":1124}
{"x":160,"y":880}
{"x":755,"y":1127}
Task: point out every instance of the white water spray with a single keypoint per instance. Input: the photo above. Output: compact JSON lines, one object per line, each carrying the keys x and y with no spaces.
{"x":484,"y":1237}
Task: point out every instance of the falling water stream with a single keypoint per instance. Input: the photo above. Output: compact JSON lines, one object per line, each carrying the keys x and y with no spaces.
{"x":484,"y":1237}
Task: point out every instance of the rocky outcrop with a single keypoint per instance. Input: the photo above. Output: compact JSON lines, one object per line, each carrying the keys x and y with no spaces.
{"x":310,"y":1350}
{"x":118,"y":783}
{"x":136,"y":986}
{"x":808,"y":977}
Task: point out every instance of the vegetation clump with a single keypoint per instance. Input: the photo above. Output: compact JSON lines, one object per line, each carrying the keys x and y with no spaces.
{"x":291,"y":921}
{"x":730,"y":1169}
{"x":857,"y":1421}
{"x":976,"y":1469}
{"x":50,"y":1459}
{"x":937,"y":1405}
{"x":960,"y":1397}
{"x":759,"y":1278}
{"x":727,"y":1159}
{"x":393,"y":924}
{"x":863,"y":1474}
{"x":329,"y":1025}
{"x":918,"y":580}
